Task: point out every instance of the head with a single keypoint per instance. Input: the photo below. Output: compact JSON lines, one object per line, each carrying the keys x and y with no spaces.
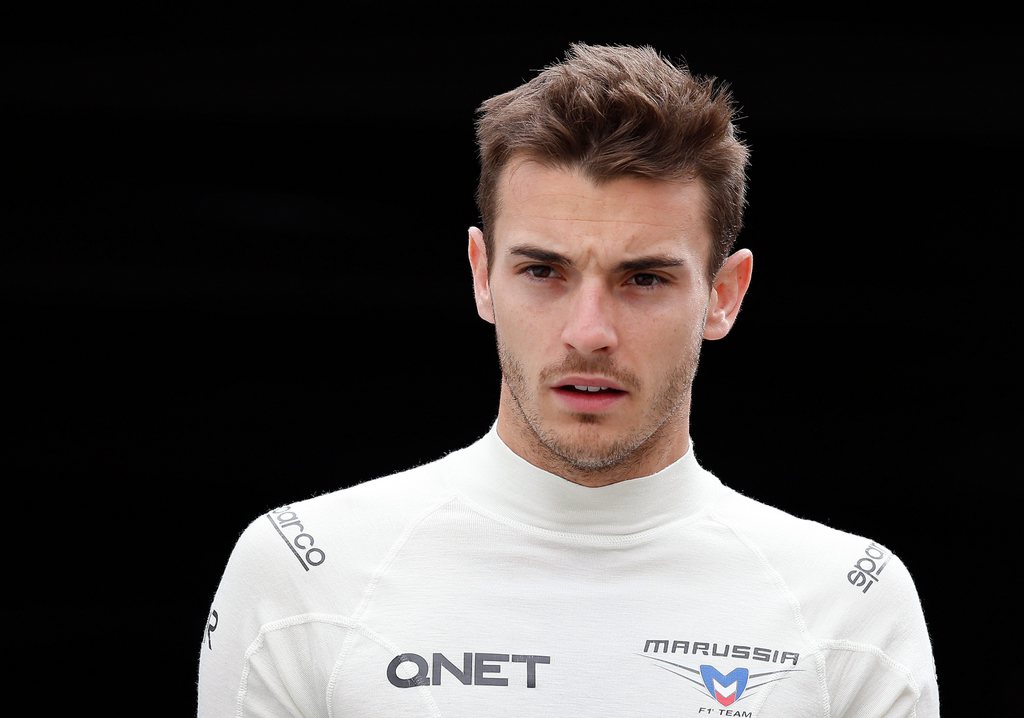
{"x":611,"y":193}
{"x":612,"y":111}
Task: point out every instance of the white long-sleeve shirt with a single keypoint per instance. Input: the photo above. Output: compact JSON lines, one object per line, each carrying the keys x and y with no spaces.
{"x":481,"y":585}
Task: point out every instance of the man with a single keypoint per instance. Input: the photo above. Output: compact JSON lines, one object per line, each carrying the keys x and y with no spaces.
{"x":576,"y":560}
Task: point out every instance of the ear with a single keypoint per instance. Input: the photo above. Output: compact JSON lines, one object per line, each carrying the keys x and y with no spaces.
{"x":727,"y":292}
{"x":481,"y":280}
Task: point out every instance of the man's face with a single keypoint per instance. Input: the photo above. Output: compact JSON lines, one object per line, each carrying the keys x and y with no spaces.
{"x":599,"y":299}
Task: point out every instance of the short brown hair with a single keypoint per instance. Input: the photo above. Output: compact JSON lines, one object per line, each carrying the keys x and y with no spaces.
{"x":613,"y":110}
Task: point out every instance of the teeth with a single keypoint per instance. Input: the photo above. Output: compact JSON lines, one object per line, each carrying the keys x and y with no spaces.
{"x":580,"y":387}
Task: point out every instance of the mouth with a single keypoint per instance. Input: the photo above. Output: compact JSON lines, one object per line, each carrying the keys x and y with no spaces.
{"x":589,"y":389}
{"x":588,"y":398}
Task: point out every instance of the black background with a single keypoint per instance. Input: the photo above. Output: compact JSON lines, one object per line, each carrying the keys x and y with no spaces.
{"x":234,"y":275}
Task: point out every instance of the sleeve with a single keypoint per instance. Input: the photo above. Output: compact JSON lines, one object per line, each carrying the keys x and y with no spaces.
{"x":261,"y":656}
{"x":232,"y":629}
{"x":889,"y":669}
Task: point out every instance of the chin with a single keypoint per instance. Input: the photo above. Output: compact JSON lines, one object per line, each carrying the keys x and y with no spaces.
{"x":587,"y":431}
{"x":592,"y":453}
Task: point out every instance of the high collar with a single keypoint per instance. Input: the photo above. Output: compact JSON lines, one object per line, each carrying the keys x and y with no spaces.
{"x":498,"y":480}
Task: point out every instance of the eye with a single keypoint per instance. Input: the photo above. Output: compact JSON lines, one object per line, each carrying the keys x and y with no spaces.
{"x":539,"y":271}
{"x":646,"y":280}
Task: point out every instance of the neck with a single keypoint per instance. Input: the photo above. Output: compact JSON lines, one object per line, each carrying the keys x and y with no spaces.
{"x":665,"y":445}
{"x":499,"y":482}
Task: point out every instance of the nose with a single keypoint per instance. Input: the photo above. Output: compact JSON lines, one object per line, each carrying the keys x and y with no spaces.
{"x":590,"y":325}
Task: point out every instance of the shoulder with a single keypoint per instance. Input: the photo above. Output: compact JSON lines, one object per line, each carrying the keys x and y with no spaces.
{"x":390,"y":500}
{"x":847,"y":585}
{"x":779,"y":532}
{"x":379,"y":506}
{"x":321,"y":551}
{"x":855,"y":598}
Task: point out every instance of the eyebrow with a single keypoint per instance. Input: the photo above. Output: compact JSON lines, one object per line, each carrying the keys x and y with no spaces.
{"x":652,"y":261}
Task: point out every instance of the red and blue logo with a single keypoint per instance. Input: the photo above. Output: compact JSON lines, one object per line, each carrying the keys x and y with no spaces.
{"x":726,"y":689}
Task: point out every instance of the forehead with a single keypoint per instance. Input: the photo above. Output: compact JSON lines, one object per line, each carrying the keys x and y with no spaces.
{"x":566,"y":204}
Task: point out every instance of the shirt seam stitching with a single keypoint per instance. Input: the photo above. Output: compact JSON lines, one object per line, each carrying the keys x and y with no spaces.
{"x":844,"y":644}
{"x":794,"y":605}
{"x":381,"y":569}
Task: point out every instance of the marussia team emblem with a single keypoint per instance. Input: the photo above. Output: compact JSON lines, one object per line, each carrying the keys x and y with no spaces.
{"x":726,"y":689}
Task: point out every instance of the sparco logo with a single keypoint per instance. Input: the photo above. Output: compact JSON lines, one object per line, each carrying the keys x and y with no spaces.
{"x":869,"y":567}
{"x":474,"y":670}
{"x":211,"y":626}
{"x":288,"y":526}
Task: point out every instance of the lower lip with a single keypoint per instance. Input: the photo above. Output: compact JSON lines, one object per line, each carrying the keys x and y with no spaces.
{"x":589,"y":402}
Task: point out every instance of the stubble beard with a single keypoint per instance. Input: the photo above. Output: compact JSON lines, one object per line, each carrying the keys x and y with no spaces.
{"x":586,"y":451}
